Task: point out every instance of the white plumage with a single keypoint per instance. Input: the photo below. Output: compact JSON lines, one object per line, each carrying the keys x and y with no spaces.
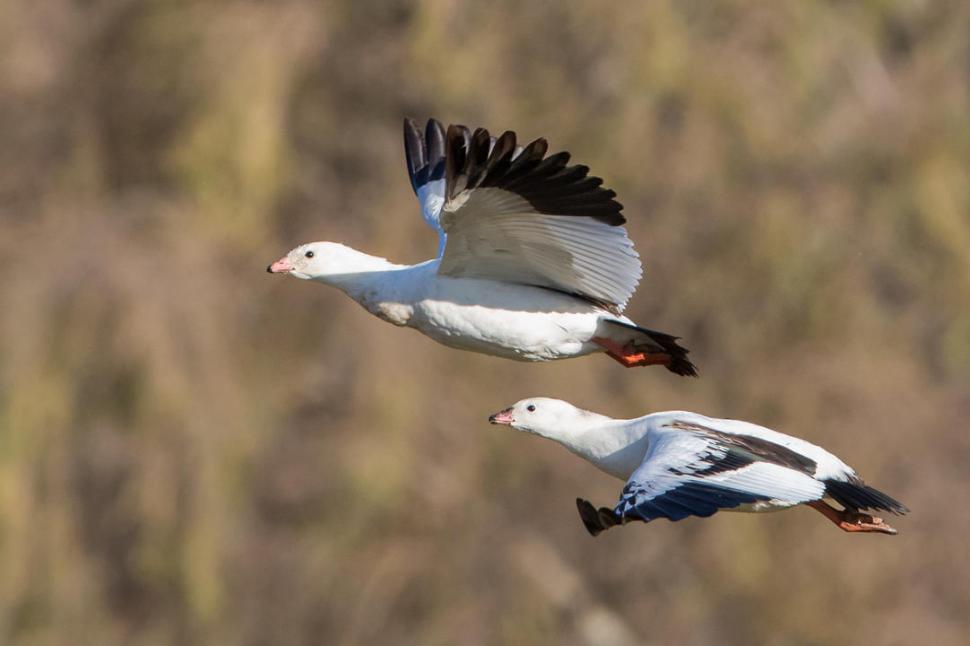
{"x":679,"y":464}
{"x":533,"y":261}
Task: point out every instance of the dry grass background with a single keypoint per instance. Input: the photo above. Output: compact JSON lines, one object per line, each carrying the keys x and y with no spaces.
{"x":192,"y":451}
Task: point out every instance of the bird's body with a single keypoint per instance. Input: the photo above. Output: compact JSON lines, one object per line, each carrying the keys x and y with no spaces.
{"x":619,"y":448}
{"x":678,"y":464}
{"x":503,"y":319}
{"x":533,"y":262}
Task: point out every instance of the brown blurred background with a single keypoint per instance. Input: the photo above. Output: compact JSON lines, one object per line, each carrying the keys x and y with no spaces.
{"x":194,"y":452}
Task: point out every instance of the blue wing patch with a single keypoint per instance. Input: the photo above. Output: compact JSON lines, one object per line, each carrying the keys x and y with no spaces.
{"x":688,"y":499}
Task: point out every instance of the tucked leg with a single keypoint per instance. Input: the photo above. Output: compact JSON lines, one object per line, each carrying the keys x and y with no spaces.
{"x":630,"y":356}
{"x":851,"y":521}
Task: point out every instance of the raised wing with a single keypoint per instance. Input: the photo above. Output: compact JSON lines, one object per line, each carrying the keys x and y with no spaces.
{"x":513,"y":214}
{"x":425,"y":155}
{"x":694,"y":470}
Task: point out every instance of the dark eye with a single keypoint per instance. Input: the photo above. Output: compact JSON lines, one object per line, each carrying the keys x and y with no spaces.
{"x":309,"y":254}
{"x":531,"y":408}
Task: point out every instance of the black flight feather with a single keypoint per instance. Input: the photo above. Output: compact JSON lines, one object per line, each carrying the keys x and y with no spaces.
{"x":475,"y":159}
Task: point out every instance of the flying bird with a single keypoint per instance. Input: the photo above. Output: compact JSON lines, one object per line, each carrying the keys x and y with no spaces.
{"x":533,"y":262}
{"x":678,"y":464}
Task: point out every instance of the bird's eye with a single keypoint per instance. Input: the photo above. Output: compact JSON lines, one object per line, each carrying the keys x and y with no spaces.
{"x":531,"y":408}
{"x":309,"y":254}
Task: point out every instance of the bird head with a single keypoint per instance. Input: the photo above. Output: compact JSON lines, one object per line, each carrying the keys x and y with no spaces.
{"x":542,"y":416}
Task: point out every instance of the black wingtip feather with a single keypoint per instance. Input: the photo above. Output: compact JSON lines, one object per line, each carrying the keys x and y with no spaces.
{"x":434,"y":137}
{"x":424,"y":151}
{"x":587,"y":513}
{"x":596,"y":520}
{"x":468,"y":159}
{"x":457,"y":143}
{"x":547,"y":183}
{"x":414,"y":150}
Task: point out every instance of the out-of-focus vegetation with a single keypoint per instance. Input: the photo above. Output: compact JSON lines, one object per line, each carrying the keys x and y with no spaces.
{"x":192,"y":451}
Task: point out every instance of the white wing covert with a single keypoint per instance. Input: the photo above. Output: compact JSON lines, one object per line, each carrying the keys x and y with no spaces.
{"x":696,"y":471}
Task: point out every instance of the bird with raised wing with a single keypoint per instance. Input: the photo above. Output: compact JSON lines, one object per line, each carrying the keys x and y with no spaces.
{"x":533,"y":261}
{"x":679,"y":464}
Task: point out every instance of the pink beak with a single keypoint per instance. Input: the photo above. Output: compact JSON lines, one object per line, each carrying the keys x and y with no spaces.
{"x":281,"y":266}
{"x":502,"y":417}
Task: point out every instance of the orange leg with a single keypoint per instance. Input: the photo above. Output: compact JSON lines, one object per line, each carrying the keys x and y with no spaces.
{"x":630,"y":357}
{"x":852,"y":521}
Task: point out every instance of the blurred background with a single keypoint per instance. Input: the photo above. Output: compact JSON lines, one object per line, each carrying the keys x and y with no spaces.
{"x":195,"y":452}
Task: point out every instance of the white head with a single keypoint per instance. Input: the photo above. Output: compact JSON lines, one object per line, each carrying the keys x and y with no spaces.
{"x":552,"y":418}
{"x":323,"y":261}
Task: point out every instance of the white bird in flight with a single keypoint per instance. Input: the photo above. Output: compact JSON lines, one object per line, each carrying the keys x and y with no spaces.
{"x":533,"y":261}
{"x":678,"y":464}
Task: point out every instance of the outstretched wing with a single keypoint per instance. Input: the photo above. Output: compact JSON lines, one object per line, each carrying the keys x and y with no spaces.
{"x":694,"y":470}
{"x":513,"y":214}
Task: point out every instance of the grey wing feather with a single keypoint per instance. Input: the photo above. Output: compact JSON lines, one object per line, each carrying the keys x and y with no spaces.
{"x":513,"y":214}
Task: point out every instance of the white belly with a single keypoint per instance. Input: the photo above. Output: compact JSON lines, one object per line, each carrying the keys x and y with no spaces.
{"x":511,"y":321}
{"x":527,"y":336}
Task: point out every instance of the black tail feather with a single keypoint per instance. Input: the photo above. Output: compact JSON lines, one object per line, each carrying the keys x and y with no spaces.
{"x":858,"y":495}
{"x":662,"y":342}
{"x":679,"y":363}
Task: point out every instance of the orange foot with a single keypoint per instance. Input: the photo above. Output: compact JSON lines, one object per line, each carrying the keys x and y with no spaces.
{"x":852,"y":521}
{"x":629,"y":356}
{"x":860,"y":522}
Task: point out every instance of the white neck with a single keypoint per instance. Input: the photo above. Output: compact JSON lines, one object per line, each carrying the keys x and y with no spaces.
{"x":383,"y":288}
{"x":355,"y":272}
{"x":615,"y":446}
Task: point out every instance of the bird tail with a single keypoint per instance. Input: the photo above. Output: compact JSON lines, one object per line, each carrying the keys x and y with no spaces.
{"x":857,"y":495}
{"x":633,"y":346}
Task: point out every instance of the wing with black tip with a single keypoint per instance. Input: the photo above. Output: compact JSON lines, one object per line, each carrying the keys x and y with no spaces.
{"x":513,"y":213}
{"x":695,"y":470}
